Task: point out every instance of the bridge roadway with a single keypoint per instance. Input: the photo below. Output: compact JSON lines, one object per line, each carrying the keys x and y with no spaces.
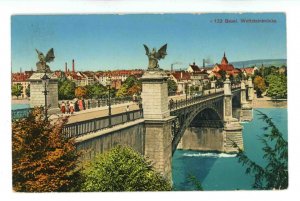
{"x":117,"y":109}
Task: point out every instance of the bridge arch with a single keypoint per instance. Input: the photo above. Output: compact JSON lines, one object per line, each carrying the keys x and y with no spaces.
{"x":211,"y":111}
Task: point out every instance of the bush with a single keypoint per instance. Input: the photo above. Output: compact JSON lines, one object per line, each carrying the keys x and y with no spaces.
{"x":122,"y":169}
{"x":43,"y":160}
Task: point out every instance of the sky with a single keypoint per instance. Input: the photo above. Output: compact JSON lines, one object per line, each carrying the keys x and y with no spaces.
{"x":108,"y":42}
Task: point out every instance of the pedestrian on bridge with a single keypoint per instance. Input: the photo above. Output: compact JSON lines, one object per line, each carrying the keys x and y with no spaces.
{"x":63,"y":107}
{"x":127,"y":111}
{"x":71,"y":107}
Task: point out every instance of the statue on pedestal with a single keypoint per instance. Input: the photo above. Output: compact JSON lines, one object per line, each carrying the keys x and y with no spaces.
{"x":154,"y":56}
{"x":42,"y":66}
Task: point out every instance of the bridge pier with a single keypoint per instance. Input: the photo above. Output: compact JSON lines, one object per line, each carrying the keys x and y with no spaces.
{"x":158,"y":133}
{"x":250,"y":90}
{"x":232,"y":128}
{"x":246,"y":109}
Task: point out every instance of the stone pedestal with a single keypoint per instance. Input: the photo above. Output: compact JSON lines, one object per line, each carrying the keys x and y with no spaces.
{"x":213,"y":84}
{"x":250,"y":90}
{"x":246,"y":114}
{"x":233,"y":133}
{"x":232,"y":128}
{"x":37,"y":97}
{"x":158,"y":135}
{"x":158,"y":145}
{"x":155,"y":95}
{"x":227,"y":101}
{"x":246,"y":109}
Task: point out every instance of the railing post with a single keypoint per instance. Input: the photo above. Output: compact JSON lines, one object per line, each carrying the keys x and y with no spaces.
{"x":76,"y":128}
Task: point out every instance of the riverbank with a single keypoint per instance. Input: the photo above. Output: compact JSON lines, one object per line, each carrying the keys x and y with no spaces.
{"x":20,"y":101}
{"x":267,"y":102}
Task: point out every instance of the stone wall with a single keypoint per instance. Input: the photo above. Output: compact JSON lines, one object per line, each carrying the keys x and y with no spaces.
{"x":158,"y":145}
{"x":202,"y":139}
{"x":37,"y":97}
{"x":103,"y":141}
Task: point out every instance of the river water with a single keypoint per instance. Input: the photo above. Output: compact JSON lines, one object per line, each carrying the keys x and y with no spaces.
{"x":219,"y":171}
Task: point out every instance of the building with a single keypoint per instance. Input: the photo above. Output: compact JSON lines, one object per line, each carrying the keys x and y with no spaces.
{"x":182,"y":79}
{"x":224,"y":66}
{"x":21,"y":78}
{"x":249,"y":71}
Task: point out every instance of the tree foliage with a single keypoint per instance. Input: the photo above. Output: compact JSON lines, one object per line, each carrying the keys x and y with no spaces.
{"x":122,"y":169}
{"x":27,"y":91}
{"x":95,"y":91}
{"x":16,"y":90}
{"x":66,"y":89}
{"x":277,"y":86}
{"x":42,"y":159}
{"x":259,"y":85}
{"x":130,"y":87}
{"x":275,"y":174}
{"x":81,"y":92}
{"x":172,"y":86}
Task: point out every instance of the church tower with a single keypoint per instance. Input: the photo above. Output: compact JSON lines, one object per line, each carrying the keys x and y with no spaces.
{"x":224,"y":60}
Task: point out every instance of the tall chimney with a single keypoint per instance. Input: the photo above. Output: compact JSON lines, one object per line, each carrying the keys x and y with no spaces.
{"x":73,"y":66}
{"x":203,"y":63}
{"x":66,"y":67}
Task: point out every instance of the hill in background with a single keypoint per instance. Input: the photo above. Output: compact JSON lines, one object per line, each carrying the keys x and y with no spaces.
{"x":259,"y":62}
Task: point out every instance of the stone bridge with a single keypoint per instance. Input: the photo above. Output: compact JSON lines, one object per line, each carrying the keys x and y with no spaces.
{"x":166,"y":122}
{"x":160,"y":127}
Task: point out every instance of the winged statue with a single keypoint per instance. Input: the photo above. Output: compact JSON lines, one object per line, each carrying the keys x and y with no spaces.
{"x":154,"y":56}
{"x":43,"y":60}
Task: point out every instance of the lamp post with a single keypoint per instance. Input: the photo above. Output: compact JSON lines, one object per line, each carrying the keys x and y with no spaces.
{"x":45,"y":81}
{"x":108,"y":83}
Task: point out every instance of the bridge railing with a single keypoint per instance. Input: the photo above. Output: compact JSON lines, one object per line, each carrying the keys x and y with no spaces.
{"x":81,"y":128}
{"x":102,"y":102}
{"x":173,"y":105}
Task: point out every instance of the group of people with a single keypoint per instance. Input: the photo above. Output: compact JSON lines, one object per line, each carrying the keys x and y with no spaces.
{"x":69,"y":107}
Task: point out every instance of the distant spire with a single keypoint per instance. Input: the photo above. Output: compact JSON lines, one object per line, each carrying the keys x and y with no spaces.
{"x":224,"y":60}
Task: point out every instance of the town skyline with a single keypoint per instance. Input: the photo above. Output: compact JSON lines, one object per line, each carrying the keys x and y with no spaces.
{"x":110,"y":42}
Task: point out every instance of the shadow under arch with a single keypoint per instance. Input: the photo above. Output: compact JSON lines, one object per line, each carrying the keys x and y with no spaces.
{"x":184,"y":121}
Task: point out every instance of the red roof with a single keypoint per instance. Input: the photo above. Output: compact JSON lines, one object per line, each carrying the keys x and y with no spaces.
{"x":218,"y":75}
{"x":248,"y":70}
{"x":181,"y":75}
{"x":225,"y":67}
{"x":194,"y":67}
{"x":20,"y":77}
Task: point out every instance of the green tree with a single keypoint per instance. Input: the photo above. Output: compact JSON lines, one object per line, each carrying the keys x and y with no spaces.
{"x":122,"y":92}
{"x":66,"y":89}
{"x":131,"y":85}
{"x":223,"y":74}
{"x":80,"y":92}
{"x":96,"y":90}
{"x":172,"y":87}
{"x":196,"y":183}
{"x":275,"y":174}
{"x":277,"y":86}
{"x":16,"y":90}
{"x":259,"y":85}
{"x":42,"y":159}
{"x":28,"y":91}
{"x":122,"y":169}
